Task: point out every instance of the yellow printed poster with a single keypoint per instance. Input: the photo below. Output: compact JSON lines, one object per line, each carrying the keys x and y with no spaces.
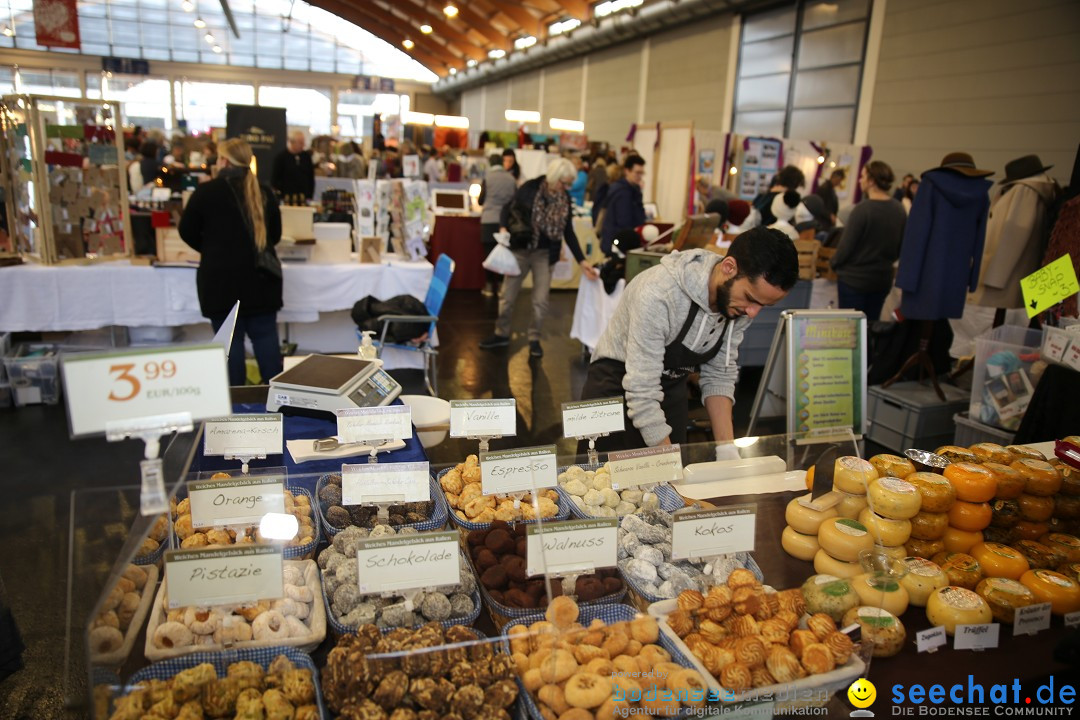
{"x":827,"y":374}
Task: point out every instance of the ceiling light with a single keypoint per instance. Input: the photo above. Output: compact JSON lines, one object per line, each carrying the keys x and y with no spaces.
{"x":733,"y":171}
{"x":522,"y":116}
{"x":217,"y":49}
{"x":408,"y":44}
{"x":200,"y":23}
{"x":566,"y":125}
{"x":524,"y":42}
{"x":417,"y":118}
{"x":470,"y":63}
{"x":187,"y":5}
{"x":496,"y":54}
{"x":209,"y":38}
{"x":820,"y":159}
{"x":453,"y":71}
{"x":450,"y":10}
{"x":613,"y":6}
{"x":563,"y":27}
{"x":452,"y":121}
{"x":426,"y":29}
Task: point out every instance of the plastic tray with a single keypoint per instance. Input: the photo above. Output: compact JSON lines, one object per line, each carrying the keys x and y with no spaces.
{"x":563,"y":514}
{"x":436,"y":522}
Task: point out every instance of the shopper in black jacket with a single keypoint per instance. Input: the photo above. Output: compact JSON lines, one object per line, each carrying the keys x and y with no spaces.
{"x":231,"y":220}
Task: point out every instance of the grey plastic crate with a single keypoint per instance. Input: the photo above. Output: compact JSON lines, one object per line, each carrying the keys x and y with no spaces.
{"x":33,"y":371}
{"x":911,"y":415}
{"x":969,"y":432}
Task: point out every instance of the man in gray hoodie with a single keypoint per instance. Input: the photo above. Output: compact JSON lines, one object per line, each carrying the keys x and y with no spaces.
{"x":687,"y":314}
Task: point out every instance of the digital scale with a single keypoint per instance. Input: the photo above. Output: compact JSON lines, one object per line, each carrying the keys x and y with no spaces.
{"x":320,"y":384}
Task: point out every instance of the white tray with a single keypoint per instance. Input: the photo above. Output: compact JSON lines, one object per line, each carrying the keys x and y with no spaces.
{"x":316,"y":621}
{"x":119,"y":655}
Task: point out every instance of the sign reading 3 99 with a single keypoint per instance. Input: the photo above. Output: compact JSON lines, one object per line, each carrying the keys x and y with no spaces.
{"x":127,"y":376}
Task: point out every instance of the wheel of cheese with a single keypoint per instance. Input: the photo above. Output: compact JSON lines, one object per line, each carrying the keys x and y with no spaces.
{"x":886,"y":593}
{"x":960,"y":541}
{"x":894,"y":498}
{"x":851,"y":505}
{"x":999,"y":561}
{"x":970,"y":516}
{"x":1038,"y":556}
{"x":798,"y":545}
{"x":1067,"y":545}
{"x":1066,"y":507}
{"x":991,"y":452}
{"x":951,"y":606}
{"x":1070,"y":570}
{"x":829,"y":594}
{"x":810,"y":478}
{"x":1023,"y":451}
{"x":1027,"y":530}
{"x":886,"y":531}
{"x":843,"y":539}
{"x":806,"y":520}
{"x":955,"y":453}
{"x":880,"y":627}
{"x":1004,"y":596}
{"x":853,"y":474}
{"x":1002,"y":536}
{"x":973,"y":483}
{"x":961,"y":569}
{"x":929,"y":525}
{"x":1070,"y":480}
{"x":1004,"y":513}
{"x":825,"y":564}
{"x":924,"y":548}
{"x":1061,"y":592}
{"x":1040,"y":477}
{"x":897,"y":552}
{"x":1010,"y":483}
{"x":923,"y":577}
{"x":892,"y":466}
{"x":1034,"y":508}
{"x":938,"y":494}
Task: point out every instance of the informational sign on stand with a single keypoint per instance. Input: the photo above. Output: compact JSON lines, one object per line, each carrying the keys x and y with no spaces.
{"x":483,"y":418}
{"x":231,"y":501}
{"x":593,"y":417}
{"x":704,"y":533}
{"x":408,"y":562}
{"x":630,"y":468}
{"x":517,"y":471}
{"x":371,"y":424}
{"x":258,"y":434}
{"x":223,"y":576}
{"x":572,"y":546}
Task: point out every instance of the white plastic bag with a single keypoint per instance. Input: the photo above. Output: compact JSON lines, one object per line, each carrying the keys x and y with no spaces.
{"x":501,"y":260}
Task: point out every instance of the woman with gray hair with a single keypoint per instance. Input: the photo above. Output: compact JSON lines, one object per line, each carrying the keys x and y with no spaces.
{"x":539,"y":218}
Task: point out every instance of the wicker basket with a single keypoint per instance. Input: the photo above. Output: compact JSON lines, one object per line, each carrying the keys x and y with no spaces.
{"x":437,"y":521}
{"x":464,"y":526}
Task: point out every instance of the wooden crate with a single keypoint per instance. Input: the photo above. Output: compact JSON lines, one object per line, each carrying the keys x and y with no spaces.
{"x":823,"y":269}
{"x":171,"y":249}
{"x":808,"y":255}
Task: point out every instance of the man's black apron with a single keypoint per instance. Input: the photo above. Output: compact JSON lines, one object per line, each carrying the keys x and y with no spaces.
{"x":605,"y":379}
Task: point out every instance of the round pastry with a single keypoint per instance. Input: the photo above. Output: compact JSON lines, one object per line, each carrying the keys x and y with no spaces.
{"x":105,"y":639}
{"x":955,"y":454}
{"x":689,"y":687}
{"x":741,"y":577}
{"x":818,"y":658}
{"x":202,"y":621}
{"x":1040,"y":477}
{"x":783,"y":665}
{"x":271,"y":625}
{"x":802,"y":639}
{"x":737,"y":678}
{"x":1010,"y":483}
{"x":991,"y":452}
{"x":558,"y":666}
{"x":761,"y":678}
{"x":750,"y":651}
{"x":562,"y":612}
{"x":586,"y":690}
{"x":840,"y":645}
{"x":233,"y":632}
{"x":172,"y":634}
{"x":821,"y":625}
{"x":774,"y":630}
{"x":690,"y":600}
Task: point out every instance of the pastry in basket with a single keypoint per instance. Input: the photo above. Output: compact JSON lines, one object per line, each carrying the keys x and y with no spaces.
{"x":298,"y":505}
{"x":158,"y":532}
{"x":108,"y":628}
{"x":366,"y":516}
{"x":591,"y":491}
{"x":464,"y":493}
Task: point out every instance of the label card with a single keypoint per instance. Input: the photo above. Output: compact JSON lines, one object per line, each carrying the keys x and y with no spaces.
{"x":930,"y":640}
{"x":572,"y":545}
{"x":223,"y":576}
{"x":593,"y":417}
{"x":976,"y":637}
{"x":1032,"y":619}
{"x":1072,"y":619}
{"x":238,"y":435}
{"x":235,"y":501}
{"x":630,"y":468}
{"x":373,"y":483}
{"x":361,"y":425}
{"x":703,"y":533}
{"x":1071,"y":357}
{"x":509,"y":471}
{"x":1049,"y":285}
{"x":407,"y":562}
{"x":104,"y":389}
{"x":483,"y":418}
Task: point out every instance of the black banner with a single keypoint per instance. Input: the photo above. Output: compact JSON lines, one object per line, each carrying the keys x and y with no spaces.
{"x":264,"y":129}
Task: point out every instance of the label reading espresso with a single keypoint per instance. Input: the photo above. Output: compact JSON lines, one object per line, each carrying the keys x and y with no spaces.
{"x":511,"y":471}
{"x":703,"y":533}
{"x":630,"y":468}
{"x":483,"y":418}
{"x":593,"y":417}
{"x":408,"y":562}
{"x":235,"y":501}
{"x":572,"y":546}
{"x":223,"y":576}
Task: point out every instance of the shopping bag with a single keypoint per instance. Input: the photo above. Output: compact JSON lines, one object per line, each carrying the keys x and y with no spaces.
{"x":501,"y":260}
{"x":563,"y":270}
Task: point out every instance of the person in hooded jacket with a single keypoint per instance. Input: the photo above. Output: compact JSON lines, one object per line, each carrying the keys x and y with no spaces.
{"x":688,"y":313}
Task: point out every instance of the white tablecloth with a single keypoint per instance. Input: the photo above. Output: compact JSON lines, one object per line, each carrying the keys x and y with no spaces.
{"x":593,"y":310}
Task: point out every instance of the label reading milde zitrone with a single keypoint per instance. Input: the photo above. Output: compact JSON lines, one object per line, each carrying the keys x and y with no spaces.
{"x":572,"y":545}
{"x":593,"y":417}
{"x":408,"y":562}
{"x":703,"y":533}
{"x":223,"y":576}
{"x":235,"y":501}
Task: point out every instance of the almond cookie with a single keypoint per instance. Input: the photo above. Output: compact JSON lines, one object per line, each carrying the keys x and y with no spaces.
{"x":821,"y":625}
{"x":841,"y":646}
{"x":737,"y":678}
{"x":783,"y":665}
{"x":558,"y":666}
{"x":818,"y":658}
{"x":689,"y":687}
{"x":587,"y":690}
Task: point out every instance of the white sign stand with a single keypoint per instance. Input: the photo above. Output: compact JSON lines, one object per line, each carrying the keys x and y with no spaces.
{"x":152,"y":499}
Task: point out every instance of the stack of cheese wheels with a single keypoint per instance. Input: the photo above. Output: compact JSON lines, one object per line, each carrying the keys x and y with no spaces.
{"x":841,"y":540}
{"x":929,"y":525}
{"x":800,"y":536}
{"x":971,"y":513}
{"x":851,"y":477}
{"x":1041,"y":484}
{"x":893,"y":502}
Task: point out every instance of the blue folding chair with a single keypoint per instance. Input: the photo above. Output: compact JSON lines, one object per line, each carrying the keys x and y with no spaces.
{"x":436,"y":294}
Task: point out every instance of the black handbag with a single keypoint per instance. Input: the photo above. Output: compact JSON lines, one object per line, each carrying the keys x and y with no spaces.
{"x":268,"y":261}
{"x":519,"y":225}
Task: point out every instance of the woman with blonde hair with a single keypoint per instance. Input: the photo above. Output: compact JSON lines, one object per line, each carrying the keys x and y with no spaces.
{"x":234,"y":222}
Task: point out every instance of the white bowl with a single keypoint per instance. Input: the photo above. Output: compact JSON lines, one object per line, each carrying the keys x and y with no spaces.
{"x":429,"y":412}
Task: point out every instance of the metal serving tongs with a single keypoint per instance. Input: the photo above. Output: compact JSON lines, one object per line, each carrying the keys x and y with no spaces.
{"x":329,"y":444}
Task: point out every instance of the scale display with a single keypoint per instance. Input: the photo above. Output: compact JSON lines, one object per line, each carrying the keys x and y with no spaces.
{"x":321,"y":384}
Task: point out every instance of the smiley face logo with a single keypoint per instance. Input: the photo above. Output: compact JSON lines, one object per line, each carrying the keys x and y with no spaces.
{"x":862,"y":693}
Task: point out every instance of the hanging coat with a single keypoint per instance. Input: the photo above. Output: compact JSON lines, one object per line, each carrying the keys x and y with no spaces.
{"x":943,"y":245}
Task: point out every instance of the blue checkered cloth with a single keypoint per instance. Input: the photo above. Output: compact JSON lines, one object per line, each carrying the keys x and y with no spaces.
{"x":167,"y":669}
{"x":563,"y":514}
{"x":745,"y":559}
{"x":437,"y":521}
{"x":154,"y":557}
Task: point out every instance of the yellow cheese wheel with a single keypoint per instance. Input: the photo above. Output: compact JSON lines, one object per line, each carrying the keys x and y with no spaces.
{"x":851,"y":505}
{"x":991,"y":452}
{"x":999,"y":561}
{"x":806,"y":520}
{"x":973,"y":483}
{"x":898,"y":552}
{"x":951,"y":606}
{"x":892,"y":466}
{"x":923,"y":577}
{"x":955,"y":453}
{"x":1061,"y":592}
{"x":894,"y":498}
{"x":880,"y":627}
{"x":1023,"y":451}
{"x":1027,"y":530}
{"x":1010,"y":483}
{"x":1035,"y":508}
{"x":970,"y":516}
{"x":844,"y":539}
{"x":1070,"y":480}
{"x":1004,"y":596}
{"x":1040,"y":477}
{"x":938,"y":494}
{"x":884,"y":593}
{"x":960,"y":541}
{"x":924,"y":548}
{"x":800,"y":546}
{"x":929,"y":525}
{"x":961,"y":569}
{"x":1063,"y":544}
{"x":886,"y":531}
{"x":853,"y":474}
{"x":825,"y":564}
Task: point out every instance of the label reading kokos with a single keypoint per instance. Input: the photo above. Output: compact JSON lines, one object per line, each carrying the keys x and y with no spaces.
{"x":593,"y":417}
{"x":374,"y":483}
{"x":238,"y":435}
{"x":1032,"y":619}
{"x":510,"y":471}
{"x":483,"y":418}
{"x":703,"y":533}
{"x":223,"y":576}
{"x":360,"y":425}
{"x":976,"y":637}
{"x":630,"y":468}
{"x":408,"y":562}
{"x":572,"y":546}
{"x":235,"y":501}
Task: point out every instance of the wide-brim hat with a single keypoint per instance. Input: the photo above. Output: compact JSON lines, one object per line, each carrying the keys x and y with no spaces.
{"x":1023,"y":167}
{"x":962,"y":163}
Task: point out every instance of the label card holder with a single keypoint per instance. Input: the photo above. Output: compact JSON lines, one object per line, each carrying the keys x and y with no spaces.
{"x":1072,"y":619}
{"x":1032,"y":619}
{"x":931,"y":639}
{"x":368,"y":425}
{"x":593,"y":418}
{"x":224,"y":576}
{"x":720,"y":531}
{"x":976,"y":637}
{"x":373,"y":484}
{"x":504,"y":472}
{"x":630,"y":468}
{"x":572,"y":546}
{"x":244,"y":436}
{"x":236,"y":501}
{"x":483,"y":418}
{"x":408,"y":562}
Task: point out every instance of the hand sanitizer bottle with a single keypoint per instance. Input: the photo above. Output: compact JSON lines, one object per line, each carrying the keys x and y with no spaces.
{"x":367,"y":350}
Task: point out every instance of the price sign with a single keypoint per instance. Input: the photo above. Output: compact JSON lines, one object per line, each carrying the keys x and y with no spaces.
{"x":223,"y":576}
{"x":1049,"y":285}
{"x":593,"y":417}
{"x":703,"y":533}
{"x":235,"y":501}
{"x":630,"y":468}
{"x":104,"y":389}
{"x":1032,"y":619}
{"x":483,"y":418}
{"x":572,"y":546}
{"x":930,"y":640}
{"x":257,"y":435}
{"x":408,"y":562}
{"x":976,"y":637}
{"x":390,"y":422}
{"x":510,"y":471}
{"x":373,"y":483}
